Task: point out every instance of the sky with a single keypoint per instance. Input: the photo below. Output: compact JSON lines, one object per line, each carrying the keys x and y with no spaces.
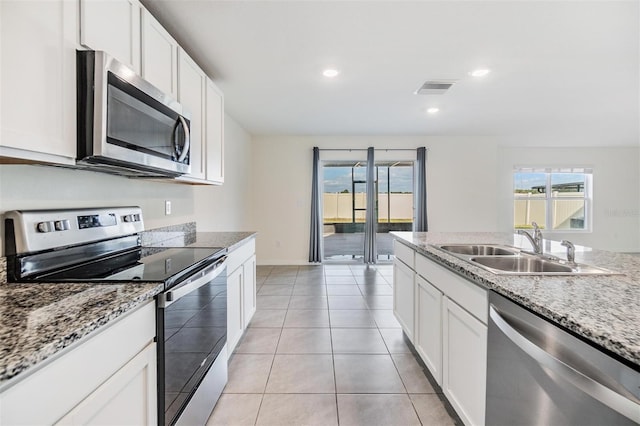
{"x":528,"y":180}
{"x":337,"y":179}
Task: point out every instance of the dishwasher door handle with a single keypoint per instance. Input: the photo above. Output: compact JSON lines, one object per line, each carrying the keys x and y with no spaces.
{"x":581,"y":380}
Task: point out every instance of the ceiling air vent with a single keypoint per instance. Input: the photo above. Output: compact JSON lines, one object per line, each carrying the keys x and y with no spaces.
{"x":435,"y":87}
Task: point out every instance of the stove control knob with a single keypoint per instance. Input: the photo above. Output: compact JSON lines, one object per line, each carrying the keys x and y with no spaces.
{"x":128,"y":218}
{"x":62,"y":225}
{"x":46,"y":227}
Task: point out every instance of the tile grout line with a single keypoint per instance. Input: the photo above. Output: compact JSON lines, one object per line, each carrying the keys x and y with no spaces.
{"x":270,"y":369}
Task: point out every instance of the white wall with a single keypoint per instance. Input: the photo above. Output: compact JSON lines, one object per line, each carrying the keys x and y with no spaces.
{"x":616,"y":200}
{"x":468,"y":183}
{"x":460,"y":173}
{"x":213,"y":208}
{"x":226,"y":208}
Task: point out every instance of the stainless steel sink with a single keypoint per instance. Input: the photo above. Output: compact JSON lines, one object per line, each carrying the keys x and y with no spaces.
{"x":507,"y":260}
{"x":522,"y":264}
{"x":480,"y":249}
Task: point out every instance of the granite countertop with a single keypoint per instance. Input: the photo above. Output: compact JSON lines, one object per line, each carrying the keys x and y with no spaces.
{"x":37,"y":321}
{"x":230,"y":240}
{"x":604,"y":309}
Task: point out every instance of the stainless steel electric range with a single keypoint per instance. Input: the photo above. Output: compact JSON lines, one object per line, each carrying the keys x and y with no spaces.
{"x":103,"y":245}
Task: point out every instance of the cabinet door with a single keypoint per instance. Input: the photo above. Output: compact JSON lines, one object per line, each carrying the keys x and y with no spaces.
{"x":428,"y":341}
{"x":464,"y":373}
{"x":37,"y":80}
{"x":112,"y":26}
{"x":191,"y":81}
{"x":215,"y":133}
{"x":403,"y":296}
{"x":127,"y":398}
{"x":159,"y":56}
{"x":234,"y":309}
{"x":249,"y":290}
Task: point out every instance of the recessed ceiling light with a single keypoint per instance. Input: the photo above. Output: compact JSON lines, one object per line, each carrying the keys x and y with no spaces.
{"x":433,"y":110}
{"x":330,"y":73}
{"x":479,"y":72}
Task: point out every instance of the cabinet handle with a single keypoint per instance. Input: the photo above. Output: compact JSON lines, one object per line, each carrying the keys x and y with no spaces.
{"x":579,"y":379}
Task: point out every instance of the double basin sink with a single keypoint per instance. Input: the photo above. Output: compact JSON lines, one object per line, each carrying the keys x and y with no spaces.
{"x":507,"y":260}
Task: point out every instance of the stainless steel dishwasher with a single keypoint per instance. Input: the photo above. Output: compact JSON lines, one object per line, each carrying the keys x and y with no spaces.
{"x":539,"y":374}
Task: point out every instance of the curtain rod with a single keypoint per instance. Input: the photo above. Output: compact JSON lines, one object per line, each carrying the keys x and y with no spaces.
{"x":364,"y":149}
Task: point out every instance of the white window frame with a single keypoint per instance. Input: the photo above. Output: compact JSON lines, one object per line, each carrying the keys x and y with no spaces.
{"x":549,"y":198}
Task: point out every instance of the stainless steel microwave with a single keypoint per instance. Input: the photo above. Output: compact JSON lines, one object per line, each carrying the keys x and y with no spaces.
{"x":126,"y":125}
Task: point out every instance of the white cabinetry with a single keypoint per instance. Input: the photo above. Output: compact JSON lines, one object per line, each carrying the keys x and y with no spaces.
{"x":428,"y":332}
{"x":448,"y":323}
{"x":107,"y":378}
{"x":214,"y":133}
{"x":191,"y":94}
{"x":403,"y":296}
{"x":159,"y":55}
{"x":38,"y":41}
{"x":124,"y":398}
{"x":112,"y":26}
{"x":241,"y":291}
{"x":464,"y":366}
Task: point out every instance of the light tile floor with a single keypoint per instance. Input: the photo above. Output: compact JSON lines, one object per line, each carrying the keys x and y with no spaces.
{"x":324,"y":348}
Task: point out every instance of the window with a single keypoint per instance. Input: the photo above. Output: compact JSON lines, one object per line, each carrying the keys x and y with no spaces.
{"x":556,"y":199}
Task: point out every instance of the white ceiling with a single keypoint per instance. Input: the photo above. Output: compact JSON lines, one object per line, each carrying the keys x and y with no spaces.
{"x":560,"y":70}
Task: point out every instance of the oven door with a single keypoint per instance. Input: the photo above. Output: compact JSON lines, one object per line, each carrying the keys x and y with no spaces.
{"x":124,"y":120}
{"x":192,"y":355}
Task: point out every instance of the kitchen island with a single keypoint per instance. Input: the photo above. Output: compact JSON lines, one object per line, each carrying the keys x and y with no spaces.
{"x":442,"y":302}
{"x":604,"y":309}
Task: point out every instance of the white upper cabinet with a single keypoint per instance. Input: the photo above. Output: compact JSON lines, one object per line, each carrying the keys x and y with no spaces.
{"x":159,"y":56}
{"x":38,"y":41}
{"x":214,"y":133}
{"x":112,"y":26}
{"x":191,"y":93}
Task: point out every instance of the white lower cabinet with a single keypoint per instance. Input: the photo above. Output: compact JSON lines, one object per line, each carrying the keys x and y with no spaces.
{"x":125,"y":399}
{"x":428,"y":341}
{"x":403,"y":296}
{"x":241,"y":291}
{"x":464,"y":366}
{"x":107,"y":378}
{"x":249,"y":289}
{"x":445,"y":317}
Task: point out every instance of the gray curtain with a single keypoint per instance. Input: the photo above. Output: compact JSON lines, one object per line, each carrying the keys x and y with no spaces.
{"x":315,"y":237}
{"x":371,"y":224}
{"x":420,"y":224}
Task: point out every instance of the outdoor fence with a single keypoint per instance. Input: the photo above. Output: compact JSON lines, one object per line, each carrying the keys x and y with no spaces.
{"x":338,"y":207}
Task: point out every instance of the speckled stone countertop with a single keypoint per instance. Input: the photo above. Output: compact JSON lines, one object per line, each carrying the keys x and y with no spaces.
{"x":39,"y":320}
{"x":604,"y":309}
{"x":230,"y":240}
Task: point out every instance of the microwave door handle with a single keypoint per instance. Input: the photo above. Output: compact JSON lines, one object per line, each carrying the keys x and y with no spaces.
{"x":187,"y":139}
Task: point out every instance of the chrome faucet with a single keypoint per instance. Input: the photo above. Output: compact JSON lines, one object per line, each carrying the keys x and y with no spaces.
{"x":535,"y":240}
{"x":571,"y":251}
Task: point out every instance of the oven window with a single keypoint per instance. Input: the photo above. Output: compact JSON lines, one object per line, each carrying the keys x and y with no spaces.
{"x":195,"y":331}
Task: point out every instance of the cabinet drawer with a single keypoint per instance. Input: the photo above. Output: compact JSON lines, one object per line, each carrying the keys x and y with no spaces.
{"x":240,"y":254}
{"x":470,"y":296}
{"x":404,"y":253}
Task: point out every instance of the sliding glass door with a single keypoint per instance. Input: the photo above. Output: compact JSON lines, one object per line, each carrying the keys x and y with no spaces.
{"x":344,"y":203}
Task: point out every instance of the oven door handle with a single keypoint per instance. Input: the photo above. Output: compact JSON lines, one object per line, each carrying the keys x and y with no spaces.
{"x":201,"y":278}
